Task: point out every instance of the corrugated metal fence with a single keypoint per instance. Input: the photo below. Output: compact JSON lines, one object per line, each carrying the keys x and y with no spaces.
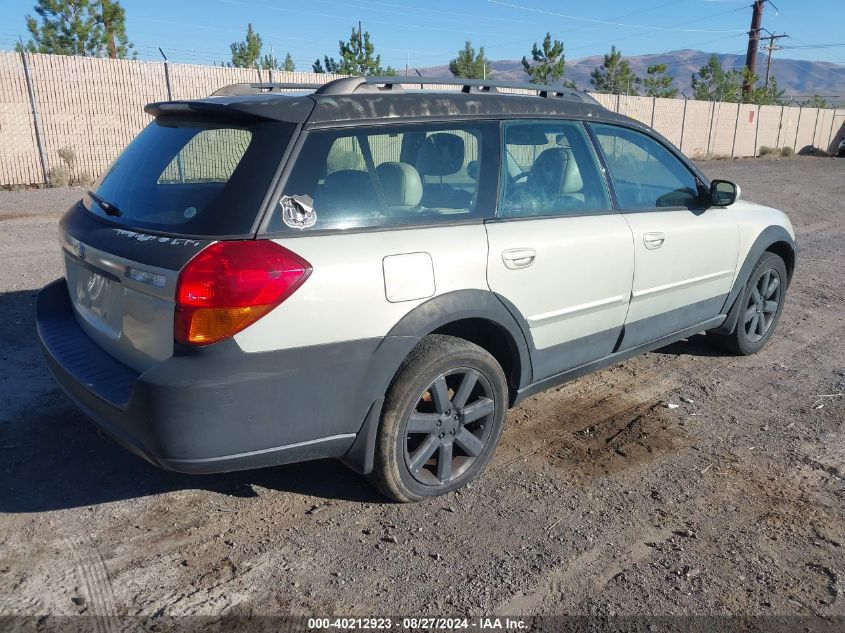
{"x":95,"y":107}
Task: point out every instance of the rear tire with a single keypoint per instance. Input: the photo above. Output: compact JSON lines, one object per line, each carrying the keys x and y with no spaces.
{"x":761,"y":306}
{"x":442,"y":419}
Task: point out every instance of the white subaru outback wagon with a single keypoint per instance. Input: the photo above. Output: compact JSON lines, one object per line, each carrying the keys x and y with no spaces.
{"x":376,"y":274}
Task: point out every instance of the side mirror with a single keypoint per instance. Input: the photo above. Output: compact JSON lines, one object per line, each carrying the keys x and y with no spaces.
{"x":723,"y":193}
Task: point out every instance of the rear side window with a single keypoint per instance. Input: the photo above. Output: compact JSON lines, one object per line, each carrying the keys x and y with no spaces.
{"x":389,"y":176}
{"x":192,"y":177}
{"x":645,"y":174}
{"x":550,"y":168}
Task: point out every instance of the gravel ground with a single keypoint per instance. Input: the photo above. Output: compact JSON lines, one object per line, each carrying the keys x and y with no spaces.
{"x":600,"y":499}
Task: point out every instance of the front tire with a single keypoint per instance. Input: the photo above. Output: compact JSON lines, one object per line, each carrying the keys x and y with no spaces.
{"x":442,"y":419}
{"x":761,"y":306}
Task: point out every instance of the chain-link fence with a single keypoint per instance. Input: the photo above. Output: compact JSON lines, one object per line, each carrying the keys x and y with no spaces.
{"x":76,"y":113}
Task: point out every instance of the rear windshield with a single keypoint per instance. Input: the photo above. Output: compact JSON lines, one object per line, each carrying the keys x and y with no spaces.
{"x":192,"y":177}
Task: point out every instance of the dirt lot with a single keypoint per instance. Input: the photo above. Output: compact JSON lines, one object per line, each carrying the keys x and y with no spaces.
{"x":601,"y":500}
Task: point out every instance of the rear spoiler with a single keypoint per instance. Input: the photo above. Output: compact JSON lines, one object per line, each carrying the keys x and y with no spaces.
{"x":252,"y":107}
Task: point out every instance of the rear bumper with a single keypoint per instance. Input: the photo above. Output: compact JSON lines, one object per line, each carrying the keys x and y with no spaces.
{"x":218,"y":409}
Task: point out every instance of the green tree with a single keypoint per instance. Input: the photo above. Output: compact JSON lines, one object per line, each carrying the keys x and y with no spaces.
{"x":91,"y":28}
{"x":614,"y":76}
{"x":816,"y":101}
{"x":658,"y":83}
{"x":548,"y":62}
{"x":714,"y":83}
{"x":246,"y":54}
{"x":288,"y":64}
{"x":767,"y":95}
{"x":469,"y":64}
{"x":112,"y":17}
{"x":328,"y":65}
{"x":358,"y":58}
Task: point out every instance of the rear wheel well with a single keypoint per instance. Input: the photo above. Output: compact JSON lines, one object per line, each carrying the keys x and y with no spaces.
{"x":786,"y":253}
{"x":493,"y":338}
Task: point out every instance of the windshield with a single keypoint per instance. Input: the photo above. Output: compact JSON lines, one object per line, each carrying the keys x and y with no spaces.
{"x":192,"y":177}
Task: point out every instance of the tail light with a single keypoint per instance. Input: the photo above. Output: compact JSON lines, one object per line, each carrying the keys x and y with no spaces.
{"x":231,"y":285}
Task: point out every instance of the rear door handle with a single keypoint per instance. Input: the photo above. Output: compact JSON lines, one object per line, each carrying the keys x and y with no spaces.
{"x":515,"y":258}
{"x":654,"y":240}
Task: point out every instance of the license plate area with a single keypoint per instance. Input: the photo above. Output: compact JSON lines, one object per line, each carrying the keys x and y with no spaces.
{"x":97,"y":296}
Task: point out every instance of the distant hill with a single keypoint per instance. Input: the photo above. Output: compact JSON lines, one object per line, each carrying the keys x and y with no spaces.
{"x":795,"y":76}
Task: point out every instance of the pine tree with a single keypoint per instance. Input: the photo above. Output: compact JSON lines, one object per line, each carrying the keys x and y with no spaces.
{"x":816,"y":101}
{"x":469,"y":64}
{"x":357,"y":58}
{"x":268,"y":62}
{"x":714,"y":83}
{"x":548,"y":62}
{"x":357,"y":55}
{"x":91,"y":28}
{"x":112,"y":16}
{"x":614,"y":76}
{"x":246,"y":54}
{"x":766,"y":95}
{"x":329,"y":65}
{"x":658,"y":83}
{"x":288,"y":64}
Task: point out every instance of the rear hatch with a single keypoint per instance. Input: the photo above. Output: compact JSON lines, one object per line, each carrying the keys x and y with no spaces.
{"x":183,"y":183}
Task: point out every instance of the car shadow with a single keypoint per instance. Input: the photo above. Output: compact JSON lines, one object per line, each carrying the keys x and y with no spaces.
{"x":52,"y":457}
{"x":696,"y":345}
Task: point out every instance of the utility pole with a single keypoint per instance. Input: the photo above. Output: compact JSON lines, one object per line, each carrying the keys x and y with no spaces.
{"x":753,"y":45}
{"x":771,"y":48}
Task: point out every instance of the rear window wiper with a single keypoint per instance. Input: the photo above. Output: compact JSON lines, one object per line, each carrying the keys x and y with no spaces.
{"x":105,"y":205}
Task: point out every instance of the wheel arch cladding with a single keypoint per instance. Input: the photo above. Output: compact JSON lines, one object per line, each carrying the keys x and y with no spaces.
{"x":479,"y":317}
{"x":786,"y":251}
{"x":474,"y":315}
{"x":773,"y":239}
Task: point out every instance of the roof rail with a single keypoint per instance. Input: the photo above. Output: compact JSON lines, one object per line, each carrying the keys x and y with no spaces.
{"x":261,"y":88}
{"x":353,"y":85}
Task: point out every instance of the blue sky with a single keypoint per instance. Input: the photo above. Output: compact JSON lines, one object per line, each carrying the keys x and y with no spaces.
{"x":427,"y":33}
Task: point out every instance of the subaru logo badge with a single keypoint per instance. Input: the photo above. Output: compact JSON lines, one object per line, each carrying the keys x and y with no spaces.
{"x":80,"y":250}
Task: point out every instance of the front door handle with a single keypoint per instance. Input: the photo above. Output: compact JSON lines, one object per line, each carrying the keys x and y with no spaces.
{"x":515,"y":258}
{"x":654,"y":240}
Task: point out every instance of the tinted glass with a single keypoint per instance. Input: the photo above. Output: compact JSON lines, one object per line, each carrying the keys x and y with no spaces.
{"x":645,"y":174}
{"x":192,"y":177}
{"x":388,"y":176}
{"x":550,"y":168}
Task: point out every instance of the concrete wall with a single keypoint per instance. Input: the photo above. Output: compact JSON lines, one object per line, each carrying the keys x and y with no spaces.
{"x":95,"y":106}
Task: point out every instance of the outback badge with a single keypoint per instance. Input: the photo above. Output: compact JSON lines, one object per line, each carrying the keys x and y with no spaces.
{"x":297,"y":213}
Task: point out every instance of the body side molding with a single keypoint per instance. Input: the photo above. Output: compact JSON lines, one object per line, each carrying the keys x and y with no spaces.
{"x":612,"y":359}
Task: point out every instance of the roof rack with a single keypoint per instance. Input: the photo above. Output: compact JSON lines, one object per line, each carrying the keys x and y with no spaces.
{"x":360,"y":85}
{"x":261,"y":88}
{"x":353,"y":85}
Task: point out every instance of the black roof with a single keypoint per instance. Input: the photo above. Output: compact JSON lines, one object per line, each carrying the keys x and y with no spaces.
{"x":357,"y":100}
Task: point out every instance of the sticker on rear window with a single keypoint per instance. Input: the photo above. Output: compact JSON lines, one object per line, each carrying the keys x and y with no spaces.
{"x":298,"y":211}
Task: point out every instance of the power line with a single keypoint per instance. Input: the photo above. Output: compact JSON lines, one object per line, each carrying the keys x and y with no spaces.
{"x":608,"y":22}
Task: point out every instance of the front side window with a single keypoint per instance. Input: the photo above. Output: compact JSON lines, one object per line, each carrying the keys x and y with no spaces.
{"x":388,"y":176}
{"x":550,"y":168}
{"x":645,"y":174}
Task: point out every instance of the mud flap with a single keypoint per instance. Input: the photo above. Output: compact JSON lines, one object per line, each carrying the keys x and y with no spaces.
{"x":360,"y":455}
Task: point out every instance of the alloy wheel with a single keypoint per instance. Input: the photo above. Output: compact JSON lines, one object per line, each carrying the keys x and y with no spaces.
{"x":763,"y":303}
{"x":449,"y":426}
